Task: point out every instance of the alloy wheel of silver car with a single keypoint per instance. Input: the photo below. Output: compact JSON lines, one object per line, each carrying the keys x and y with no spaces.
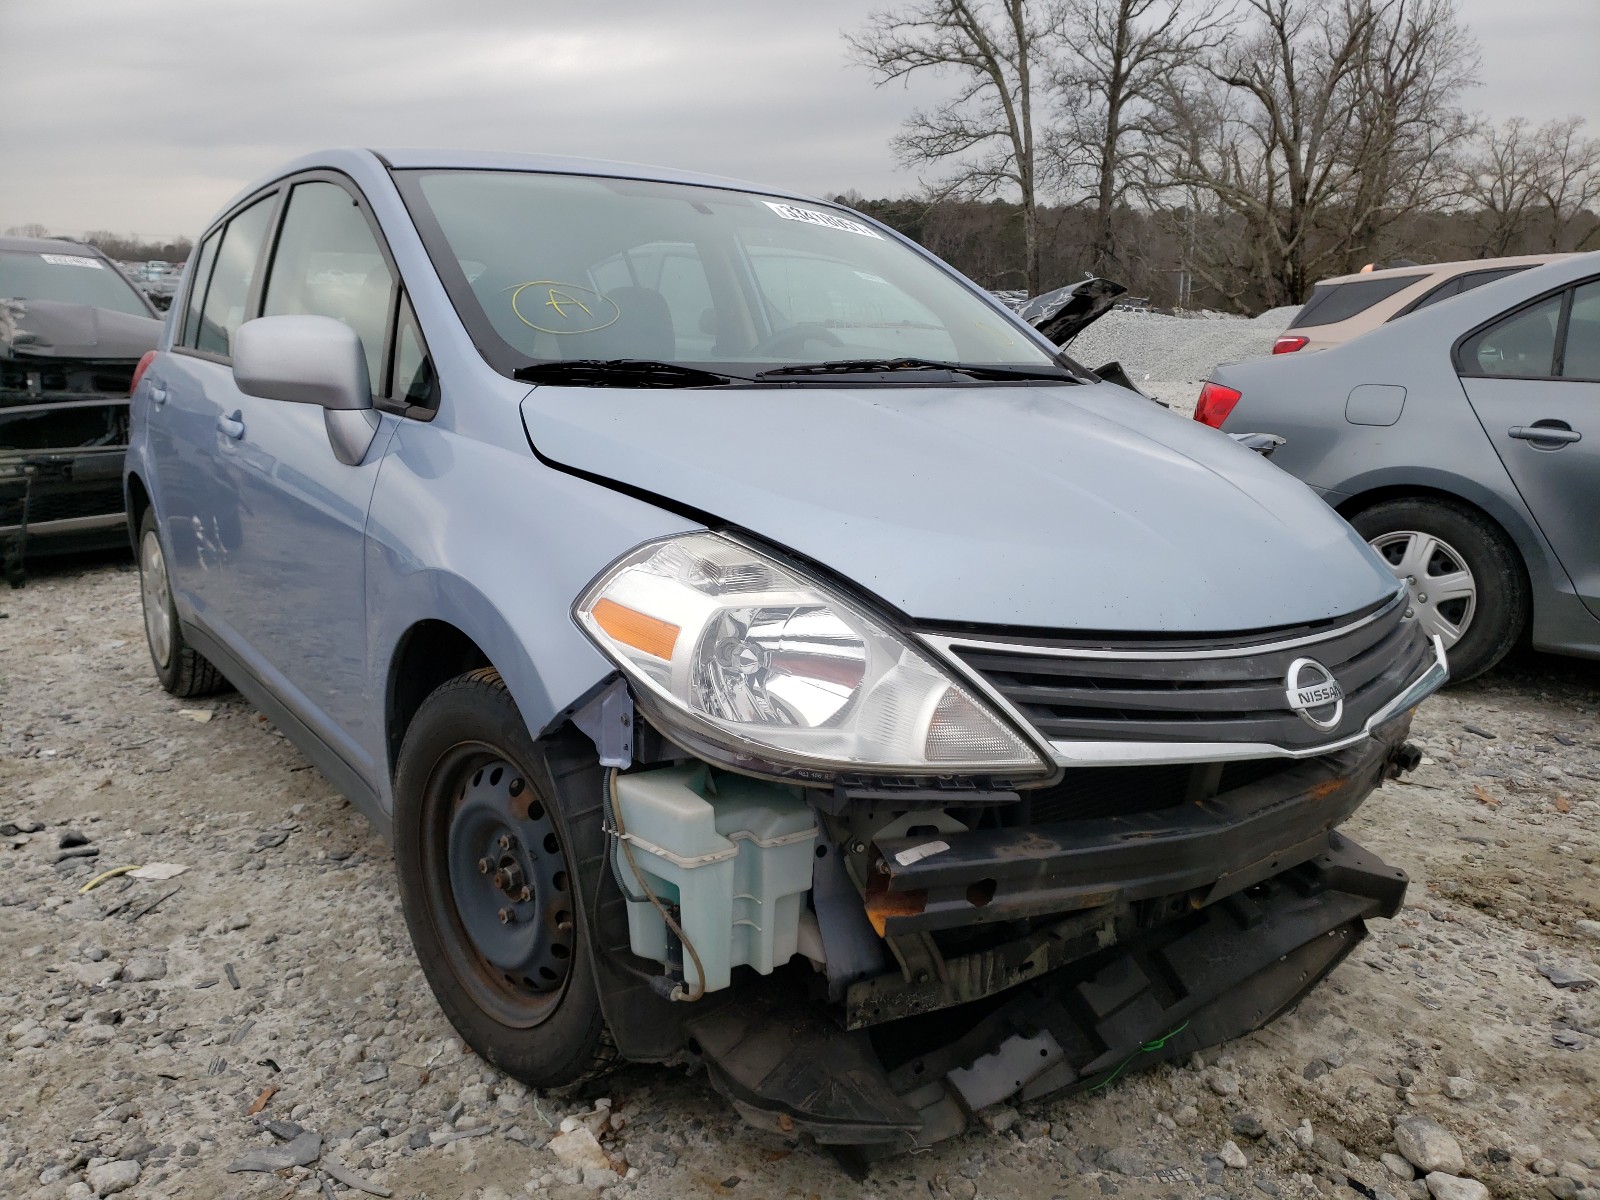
{"x":156,"y":598}
{"x":1441,"y":593}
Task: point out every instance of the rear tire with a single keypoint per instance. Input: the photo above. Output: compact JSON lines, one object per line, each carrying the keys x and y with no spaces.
{"x":484,"y":861}
{"x":1426,"y":539}
{"x":182,"y":670}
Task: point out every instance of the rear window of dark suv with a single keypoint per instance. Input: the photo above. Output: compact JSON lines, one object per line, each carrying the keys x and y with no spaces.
{"x":1334,"y":302}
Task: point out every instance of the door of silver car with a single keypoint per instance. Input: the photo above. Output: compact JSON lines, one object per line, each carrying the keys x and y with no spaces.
{"x":1533,"y":378}
{"x":190,"y":403}
{"x":301,"y":604}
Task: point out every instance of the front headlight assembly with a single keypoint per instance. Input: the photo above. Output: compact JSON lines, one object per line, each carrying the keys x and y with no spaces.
{"x":745,"y":661}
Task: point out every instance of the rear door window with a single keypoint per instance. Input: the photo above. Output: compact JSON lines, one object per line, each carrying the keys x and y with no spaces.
{"x":1580,"y":352}
{"x":1334,"y":302}
{"x":200,"y":268}
{"x":1520,"y":345}
{"x":229,"y":291}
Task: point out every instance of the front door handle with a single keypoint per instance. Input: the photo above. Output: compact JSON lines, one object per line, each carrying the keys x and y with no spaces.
{"x":158,"y":394}
{"x":1545,"y":433}
{"x":231,"y":426}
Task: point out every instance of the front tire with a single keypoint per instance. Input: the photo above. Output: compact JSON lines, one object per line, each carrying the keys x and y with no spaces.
{"x":486,"y":884}
{"x":1463,"y":576}
{"x":182,"y":670}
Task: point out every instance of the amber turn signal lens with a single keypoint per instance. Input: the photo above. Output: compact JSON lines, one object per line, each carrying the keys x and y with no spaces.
{"x":634,"y":628}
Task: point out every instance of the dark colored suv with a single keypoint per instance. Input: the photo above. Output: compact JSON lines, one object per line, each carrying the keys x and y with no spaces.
{"x":72,"y":331}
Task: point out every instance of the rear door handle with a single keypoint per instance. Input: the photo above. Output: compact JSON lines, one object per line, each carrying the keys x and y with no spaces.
{"x":231,"y":426}
{"x":158,"y":394}
{"x":1544,"y":433}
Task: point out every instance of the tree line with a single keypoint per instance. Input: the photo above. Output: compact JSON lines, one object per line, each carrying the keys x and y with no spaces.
{"x":1215,"y":153}
{"x":124,"y":247}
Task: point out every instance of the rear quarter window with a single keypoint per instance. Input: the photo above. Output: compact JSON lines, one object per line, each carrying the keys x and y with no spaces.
{"x":1334,"y":302}
{"x":1454,"y":287}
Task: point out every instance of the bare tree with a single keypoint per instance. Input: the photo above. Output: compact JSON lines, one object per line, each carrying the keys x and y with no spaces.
{"x":1526,"y":189}
{"x":1497,"y":181}
{"x":1117,"y":57}
{"x":998,"y":51}
{"x":1315,"y":132}
{"x":1406,"y":126}
{"x":1568,"y":175}
{"x":31,"y":230}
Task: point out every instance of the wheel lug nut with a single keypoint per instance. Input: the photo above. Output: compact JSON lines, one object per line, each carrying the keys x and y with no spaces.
{"x":507,"y":916}
{"x":525,"y":895}
{"x":1422,"y":599}
{"x":483,"y":866}
{"x":516,"y":787}
{"x":1408,"y":612}
{"x":507,"y":841}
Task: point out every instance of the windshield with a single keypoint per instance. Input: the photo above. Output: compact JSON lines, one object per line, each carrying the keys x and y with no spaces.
{"x":558,"y":268}
{"x":68,"y":278}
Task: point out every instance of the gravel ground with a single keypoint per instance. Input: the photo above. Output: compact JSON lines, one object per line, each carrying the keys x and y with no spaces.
{"x":1169,"y":357}
{"x":263,"y":1007}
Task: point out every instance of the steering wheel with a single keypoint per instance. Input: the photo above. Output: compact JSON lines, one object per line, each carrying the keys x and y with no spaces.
{"x":791,"y":339}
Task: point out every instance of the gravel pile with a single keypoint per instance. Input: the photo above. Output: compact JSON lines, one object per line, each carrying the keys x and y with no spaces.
{"x":244,"y":1017}
{"x":1176,"y":352}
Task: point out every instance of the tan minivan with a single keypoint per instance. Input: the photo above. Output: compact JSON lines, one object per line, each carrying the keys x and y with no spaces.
{"x":1348,"y":305}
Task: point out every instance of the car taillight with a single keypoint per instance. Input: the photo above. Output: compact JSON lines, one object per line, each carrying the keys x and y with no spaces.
{"x":1215,"y":403}
{"x":138,"y":372}
{"x":1288,"y":344}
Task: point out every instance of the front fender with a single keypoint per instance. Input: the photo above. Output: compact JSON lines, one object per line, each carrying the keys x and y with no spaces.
{"x":493,"y":542}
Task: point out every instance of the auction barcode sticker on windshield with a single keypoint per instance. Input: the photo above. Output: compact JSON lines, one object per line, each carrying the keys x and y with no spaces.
{"x":811,"y":216}
{"x":71,"y":260}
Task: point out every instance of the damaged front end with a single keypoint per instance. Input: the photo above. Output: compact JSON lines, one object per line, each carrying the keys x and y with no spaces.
{"x":65,"y":375}
{"x":870,"y":957}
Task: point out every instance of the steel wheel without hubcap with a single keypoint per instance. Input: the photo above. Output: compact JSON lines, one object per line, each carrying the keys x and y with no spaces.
{"x":156,"y":598}
{"x":497,"y":878}
{"x":1442,"y":595}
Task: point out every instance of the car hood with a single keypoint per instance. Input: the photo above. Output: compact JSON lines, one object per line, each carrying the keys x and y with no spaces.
{"x":51,"y":329}
{"x":1057,"y":507}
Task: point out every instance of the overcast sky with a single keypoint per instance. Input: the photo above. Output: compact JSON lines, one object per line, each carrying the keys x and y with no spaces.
{"x":146,"y":115}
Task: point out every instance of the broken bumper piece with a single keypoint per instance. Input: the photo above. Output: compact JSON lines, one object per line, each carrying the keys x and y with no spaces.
{"x":1213,"y":974}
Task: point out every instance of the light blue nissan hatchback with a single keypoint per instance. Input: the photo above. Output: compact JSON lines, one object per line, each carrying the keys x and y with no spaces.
{"x":763,"y":649}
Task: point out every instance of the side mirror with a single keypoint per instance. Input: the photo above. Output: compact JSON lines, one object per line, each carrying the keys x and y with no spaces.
{"x":310,"y":360}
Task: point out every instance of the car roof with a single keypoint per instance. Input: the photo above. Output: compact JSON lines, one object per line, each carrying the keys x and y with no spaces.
{"x":1446,"y":269}
{"x":48,"y":246}
{"x":361,"y":161}
{"x":494,"y":160}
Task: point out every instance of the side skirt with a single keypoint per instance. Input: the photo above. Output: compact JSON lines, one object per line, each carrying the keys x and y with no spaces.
{"x":341,"y":774}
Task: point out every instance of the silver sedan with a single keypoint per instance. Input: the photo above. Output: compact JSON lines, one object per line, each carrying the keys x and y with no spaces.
{"x":1463,"y":442}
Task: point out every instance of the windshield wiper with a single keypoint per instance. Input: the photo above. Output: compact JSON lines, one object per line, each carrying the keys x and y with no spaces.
{"x":884,"y":366}
{"x":621,"y":372}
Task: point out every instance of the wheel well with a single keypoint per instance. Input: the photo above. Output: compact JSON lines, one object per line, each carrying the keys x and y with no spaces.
{"x":429,"y":654}
{"x":1404,"y":491}
{"x":138,"y":500}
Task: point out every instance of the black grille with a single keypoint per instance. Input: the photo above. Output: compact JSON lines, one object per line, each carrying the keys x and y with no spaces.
{"x":1086,"y":793}
{"x":59,"y":503}
{"x":37,"y":381}
{"x":1239,"y":696}
{"x":1090,"y":793}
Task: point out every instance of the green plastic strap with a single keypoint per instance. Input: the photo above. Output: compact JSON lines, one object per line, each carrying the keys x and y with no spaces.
{"x":1147,"y":1048}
